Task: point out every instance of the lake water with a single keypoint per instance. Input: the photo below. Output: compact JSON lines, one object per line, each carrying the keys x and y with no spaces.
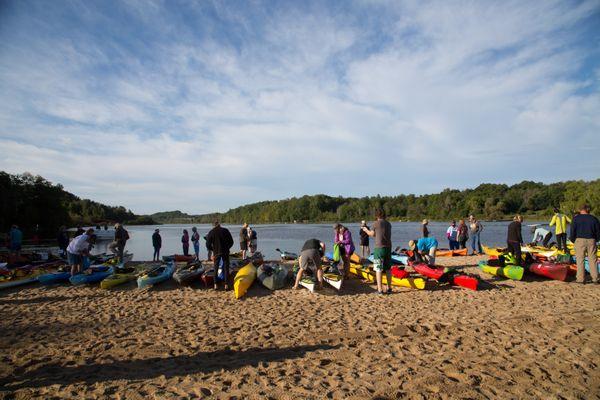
{"x":291,"y":237}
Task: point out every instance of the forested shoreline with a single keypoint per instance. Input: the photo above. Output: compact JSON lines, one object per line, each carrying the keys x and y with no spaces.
{"x":41,"y":207}
{"x":31,"y":201}
{"x":487,"y":201}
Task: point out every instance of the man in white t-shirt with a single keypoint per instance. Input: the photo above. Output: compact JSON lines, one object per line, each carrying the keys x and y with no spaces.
{"x":77,"y":249}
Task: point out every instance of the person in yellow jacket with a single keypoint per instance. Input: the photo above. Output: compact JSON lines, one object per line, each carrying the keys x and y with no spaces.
{"x":560,"y":221}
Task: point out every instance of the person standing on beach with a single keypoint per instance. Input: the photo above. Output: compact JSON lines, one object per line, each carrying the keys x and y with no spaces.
{"x":311,"y":255}
{"x":157,"y":244}
{"x":343,"y":238}
{"x":424,"y":228}
{"x":585,"y":233}
{"x":382,"y":232}
{"x":560,"y":222}
{"x":244,"y":240}
{"x":252,"y":240}
{"x":185,"y":242}
{"x":16,"y":241}
{"x":208,"y":249}
{"x":63,"y":240}
{"x":196,"y":242}
{"x":476,"y":229}
{"x":220,"y":241}
{"x":514,"y":238}
{"x":452,"y":235}
{"x":78,"y":249}
{"x":118,"y":245}
{"x":463,"y":234}
{"x":365,"y":249}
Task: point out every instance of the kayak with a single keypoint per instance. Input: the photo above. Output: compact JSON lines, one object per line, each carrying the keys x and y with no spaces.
{"x":429,"y":272}
{"x":53,"y":278}
{"x":366,"y":273}
{"x":244,"y":279}
{"x":22,"y":275}
{"x":157,"y":275}
{"x":334,"y":280}
{"x":539,"y":251}
{"x":273,"y":276}
{"x":442,"y":274}
{"x":451,"y":253}
{"x":396,"y":259}
{"x":208,"y":277}
{"x":550,"y":270}
{"x":399,"y":272}
{"x":511,"y":271}
{"x":185,"y":274}
{"x":286,"y":255}
{"x":93,"y":274}
{"x":121,"y":276}
{"x":308,"y":283}
{"x":493,"y":251}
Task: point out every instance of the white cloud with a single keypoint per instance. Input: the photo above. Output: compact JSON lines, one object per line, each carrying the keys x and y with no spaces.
{"x":294,"y":101}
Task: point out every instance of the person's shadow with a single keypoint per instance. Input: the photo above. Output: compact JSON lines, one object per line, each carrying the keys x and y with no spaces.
{"x":136,"y":369}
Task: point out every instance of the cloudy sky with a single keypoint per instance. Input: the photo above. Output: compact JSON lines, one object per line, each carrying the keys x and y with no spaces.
{"x":206,"y":105}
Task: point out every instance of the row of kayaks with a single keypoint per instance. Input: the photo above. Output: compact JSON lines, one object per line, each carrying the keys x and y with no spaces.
{"x":537,"y":251}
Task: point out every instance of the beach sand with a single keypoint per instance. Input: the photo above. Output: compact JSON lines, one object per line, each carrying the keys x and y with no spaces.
{"x":530,"y":339}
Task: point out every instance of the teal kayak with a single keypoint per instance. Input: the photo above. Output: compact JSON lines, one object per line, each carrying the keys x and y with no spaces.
{"x":93,"y":274}
{"x":156,"y":275}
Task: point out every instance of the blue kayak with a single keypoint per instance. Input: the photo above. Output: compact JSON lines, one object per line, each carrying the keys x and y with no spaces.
{"x":396,"y":259}
{"x":92,"y":275}
{"x":54,"y":277}
{"x":157,"y":275}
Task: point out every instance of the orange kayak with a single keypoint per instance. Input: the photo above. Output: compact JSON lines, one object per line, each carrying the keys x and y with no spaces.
{"x":451,"y":253}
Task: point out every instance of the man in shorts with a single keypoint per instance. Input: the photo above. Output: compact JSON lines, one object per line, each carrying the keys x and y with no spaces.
{"x":78,"y":249}
{"x":382,"y":254}
{"x":311,"y":254}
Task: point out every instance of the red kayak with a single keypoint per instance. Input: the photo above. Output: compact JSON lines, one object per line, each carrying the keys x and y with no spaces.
{"x":437,"y":273}
{"x":550,"y":270}
{"x":429,"y":272}
{"x":399,"y":272}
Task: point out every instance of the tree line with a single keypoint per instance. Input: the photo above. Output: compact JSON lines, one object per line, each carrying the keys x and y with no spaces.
{"x":38,"y":206}
{"x":487,"y":201}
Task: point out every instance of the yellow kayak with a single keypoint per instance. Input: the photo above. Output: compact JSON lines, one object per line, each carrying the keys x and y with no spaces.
{"x":493,"y":251}
{"x":244,"y":279}
{"x":542,"y":251}
{"x":366,"y":273}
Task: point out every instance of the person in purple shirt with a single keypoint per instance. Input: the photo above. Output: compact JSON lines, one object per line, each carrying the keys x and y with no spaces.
{"x":343,"y":238}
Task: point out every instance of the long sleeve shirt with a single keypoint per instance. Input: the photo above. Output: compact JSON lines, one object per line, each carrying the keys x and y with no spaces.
{"x":585,"y":226}
{"x":514,"y":232}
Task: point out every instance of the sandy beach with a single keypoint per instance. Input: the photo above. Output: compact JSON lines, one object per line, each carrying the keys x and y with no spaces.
{"x":531,"y":339}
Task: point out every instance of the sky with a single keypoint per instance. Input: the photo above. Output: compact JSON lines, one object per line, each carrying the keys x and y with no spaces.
{"x":201,"y":106}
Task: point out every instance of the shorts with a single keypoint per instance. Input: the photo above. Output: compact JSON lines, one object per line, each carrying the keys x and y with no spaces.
{"x":74,"y":259}
{"x":243,"y":246}
{"x":382,"y":259}
{"x":308,"y":257}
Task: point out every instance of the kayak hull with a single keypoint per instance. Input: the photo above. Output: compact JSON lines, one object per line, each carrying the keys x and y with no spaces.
{"x":274,"y":278}
{"x":334,"y":280}
{"x":244,"y":279}
{"x":554,"y":271}
{"x":512,"y":271}
{"x":148,"y":280}
{"x":94,"y":277}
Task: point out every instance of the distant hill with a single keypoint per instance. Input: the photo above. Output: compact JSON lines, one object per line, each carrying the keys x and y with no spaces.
{"x":31,"y":201}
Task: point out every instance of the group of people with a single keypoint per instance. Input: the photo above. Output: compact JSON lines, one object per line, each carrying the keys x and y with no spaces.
{"x":314,"y":249}
{"x":458,"y":235}
{"x":584,"y":234}
{"x":248,"y":240}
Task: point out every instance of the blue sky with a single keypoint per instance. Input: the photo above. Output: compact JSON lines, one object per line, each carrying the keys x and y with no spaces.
{"x":202,"y":106}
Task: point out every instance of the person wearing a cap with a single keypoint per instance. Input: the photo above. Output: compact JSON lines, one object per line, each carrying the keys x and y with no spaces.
{"x":424,"y":229}
{"x":157,"y":244}
{"x":118,"y":245}
{"x":426,"y":247}
{"x":365,"y":248}
{"x":382,"y":254}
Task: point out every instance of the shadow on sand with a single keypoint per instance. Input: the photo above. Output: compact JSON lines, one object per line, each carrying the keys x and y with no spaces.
{"x":139,"y":369}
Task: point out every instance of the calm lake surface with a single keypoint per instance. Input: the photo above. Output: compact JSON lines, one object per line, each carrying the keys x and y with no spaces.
{"x":291,"y":237}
